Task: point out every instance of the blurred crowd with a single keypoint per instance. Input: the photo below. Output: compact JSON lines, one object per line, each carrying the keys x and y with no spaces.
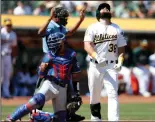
{"x":120,"y":9}
{"x":138,"y":72}
{"x":23,"y":81}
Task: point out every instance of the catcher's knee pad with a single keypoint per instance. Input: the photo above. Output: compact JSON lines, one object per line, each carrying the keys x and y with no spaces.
{"x":95,"y":110}
{"x":36,"y":101}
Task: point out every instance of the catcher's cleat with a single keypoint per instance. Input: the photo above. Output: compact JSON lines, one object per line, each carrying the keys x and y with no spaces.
{"x":40,"y":116}
{"x":9,"y":119}
{"x":75,"y":118}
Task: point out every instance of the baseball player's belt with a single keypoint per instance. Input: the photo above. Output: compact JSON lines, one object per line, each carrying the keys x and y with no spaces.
{"x":59,"y":83}
{"x":108,"y":62}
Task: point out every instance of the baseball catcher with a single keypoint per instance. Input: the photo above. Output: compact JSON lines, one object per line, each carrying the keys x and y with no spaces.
{"x":56,"y":23}
{"x":57,"y":69}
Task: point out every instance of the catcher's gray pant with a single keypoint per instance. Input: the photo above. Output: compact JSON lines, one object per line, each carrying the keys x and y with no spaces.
{"x":56,"y":93}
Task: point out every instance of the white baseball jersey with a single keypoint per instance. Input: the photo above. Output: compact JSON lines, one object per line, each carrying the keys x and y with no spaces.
{"x":106,"y":39}
{"x":11,"y":39}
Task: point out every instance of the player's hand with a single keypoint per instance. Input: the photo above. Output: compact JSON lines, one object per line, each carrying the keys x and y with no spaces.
{"x":43,"y":66}
{"x":82,"y":13}
{"x":52,"y":13}
{"x":117,"y":67}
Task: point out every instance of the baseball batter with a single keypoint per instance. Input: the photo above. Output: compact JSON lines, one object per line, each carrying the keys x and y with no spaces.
{"x":57,"y":69}
{"x":8,"y":43}
{"x":104,"y":43}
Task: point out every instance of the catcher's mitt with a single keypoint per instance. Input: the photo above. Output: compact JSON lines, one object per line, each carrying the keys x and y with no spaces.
{"x":74,"y":103}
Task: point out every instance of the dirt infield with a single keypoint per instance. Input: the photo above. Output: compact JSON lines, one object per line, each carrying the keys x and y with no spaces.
{"x":122,"y":99}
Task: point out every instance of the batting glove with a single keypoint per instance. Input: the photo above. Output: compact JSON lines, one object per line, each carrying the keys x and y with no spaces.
{"x":118,"y":66}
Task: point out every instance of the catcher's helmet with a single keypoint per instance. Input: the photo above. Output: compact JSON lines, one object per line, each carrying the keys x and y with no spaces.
{"x":101,"y":6}
{"x":62,"y":14}
{"x":54,"y":41}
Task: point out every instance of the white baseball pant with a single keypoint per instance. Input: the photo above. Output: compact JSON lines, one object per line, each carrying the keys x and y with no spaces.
{"x":99,"y":76}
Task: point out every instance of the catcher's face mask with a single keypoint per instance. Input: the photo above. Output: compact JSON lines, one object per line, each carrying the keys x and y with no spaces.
{"x":62,"y":14}
{"x":63,"y":21}
{"x":54,"y":41}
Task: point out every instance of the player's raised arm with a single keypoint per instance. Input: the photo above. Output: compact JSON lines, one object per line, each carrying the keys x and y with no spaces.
{"x":42,"y":30}
{"x":77,"y":25}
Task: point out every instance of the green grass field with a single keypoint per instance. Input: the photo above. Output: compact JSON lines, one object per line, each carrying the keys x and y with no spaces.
{"x":127,"y":111}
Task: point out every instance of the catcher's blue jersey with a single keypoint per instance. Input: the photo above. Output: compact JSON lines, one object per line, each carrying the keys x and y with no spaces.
{"x":61,"y":67}
{"x":52,"y":28}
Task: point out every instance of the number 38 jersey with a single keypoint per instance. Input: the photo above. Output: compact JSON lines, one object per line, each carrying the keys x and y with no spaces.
{"x":105,"y":39}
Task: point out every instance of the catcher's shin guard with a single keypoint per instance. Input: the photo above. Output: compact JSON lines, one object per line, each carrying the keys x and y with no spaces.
{"x":95,"y":110}
{"x":33,"y":103}
{"x":39,"y":81}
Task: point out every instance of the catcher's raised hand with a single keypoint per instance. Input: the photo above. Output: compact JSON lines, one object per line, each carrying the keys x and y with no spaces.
{"x":82,"y":13}
{"x":52,"y":12}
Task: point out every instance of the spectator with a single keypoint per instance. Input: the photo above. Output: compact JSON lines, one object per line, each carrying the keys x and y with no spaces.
{"x":141,"y":70}
{"x":10,"y":11}
{"x":41,"y":10}
{"x":88,"y":11}
{"x":151,"y":11}
{"x":142,"y":8}
{"x":134,"y":10}
{"x":122,"y":10}
{"x":8,"y":52}
{"x":50,"y":4}
{"x":69,"y":5}
{"x":21,"y":9}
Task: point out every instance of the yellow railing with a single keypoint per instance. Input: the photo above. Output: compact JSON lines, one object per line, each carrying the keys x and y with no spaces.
{"x":125,"y":24}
